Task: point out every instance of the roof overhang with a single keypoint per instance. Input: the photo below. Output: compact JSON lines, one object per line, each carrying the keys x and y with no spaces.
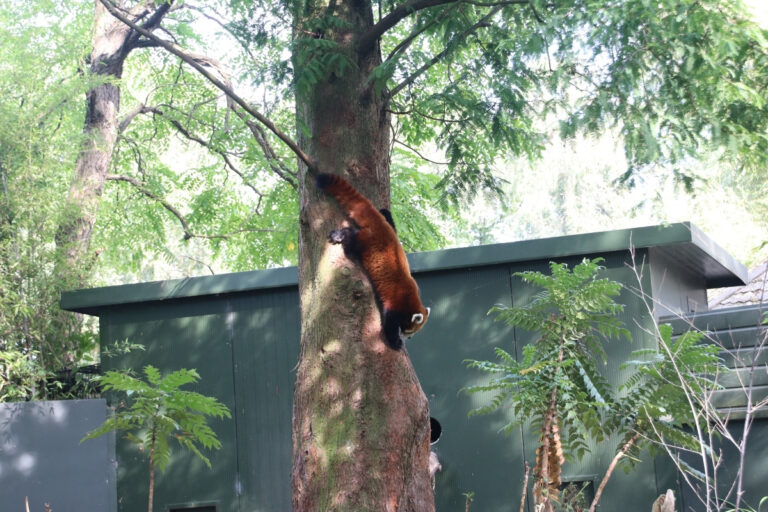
{"x":682,"y":242}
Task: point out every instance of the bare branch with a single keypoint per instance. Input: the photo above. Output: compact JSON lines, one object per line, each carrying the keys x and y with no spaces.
{"x":611,"y":467}
{"x":129,"y":117}
{"x":483,"y":22}
{"x":275,"y":164}
{"x":419,"y":154}
{"x":155,"y":17}
{"x":200,"y":68}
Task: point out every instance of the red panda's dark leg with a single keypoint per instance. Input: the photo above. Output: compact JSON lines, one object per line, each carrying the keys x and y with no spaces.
{"x":388,"y":216}
{"x":347,"y":237}
{"x":390,"y":323}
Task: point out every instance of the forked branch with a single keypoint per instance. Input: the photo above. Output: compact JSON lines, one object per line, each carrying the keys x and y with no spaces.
{"x":218,"y":83}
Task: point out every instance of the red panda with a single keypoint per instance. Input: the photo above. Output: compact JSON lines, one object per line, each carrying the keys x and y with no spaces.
{"x":373,"y":242}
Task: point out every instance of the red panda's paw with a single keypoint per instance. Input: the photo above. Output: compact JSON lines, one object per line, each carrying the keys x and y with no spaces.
{"x":347,"y":237}
{"x":337,"y":236}
{"x":390,"y":323}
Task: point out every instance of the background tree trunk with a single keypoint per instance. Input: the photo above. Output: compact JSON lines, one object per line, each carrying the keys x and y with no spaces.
{"x":361,"y":419}
{"x":112,"y":42}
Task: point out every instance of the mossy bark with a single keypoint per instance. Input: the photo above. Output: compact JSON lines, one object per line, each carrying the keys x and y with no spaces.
{"x":361,"y":419}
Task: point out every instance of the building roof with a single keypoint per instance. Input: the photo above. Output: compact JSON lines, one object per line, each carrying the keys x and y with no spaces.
{"x":754,"y":292}
{"x":682,"y":242}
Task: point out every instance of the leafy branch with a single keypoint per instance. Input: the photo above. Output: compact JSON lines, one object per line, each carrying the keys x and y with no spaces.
{"x":449,"y":47}
{"x":202,"y":68}
{"x":188,"y":233}
{"x":158,"y":412}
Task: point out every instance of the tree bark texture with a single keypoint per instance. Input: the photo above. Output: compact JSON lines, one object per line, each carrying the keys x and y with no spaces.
{"x":361,"y":419}
{"x":112,"y":41}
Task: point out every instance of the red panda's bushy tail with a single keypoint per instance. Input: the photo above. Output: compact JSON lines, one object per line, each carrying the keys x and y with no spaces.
{"x":357,"y":206}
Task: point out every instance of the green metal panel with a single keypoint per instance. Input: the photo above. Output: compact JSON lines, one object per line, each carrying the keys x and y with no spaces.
{"x":241,"y":332}
{"x":475,"y":456}
{"x":677,"y":285}
{"x":266,"y":350}
{"x":185,"y":334}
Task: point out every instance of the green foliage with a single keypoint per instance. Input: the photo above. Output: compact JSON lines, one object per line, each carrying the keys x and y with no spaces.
{"x":670,"y":389}
{"x":572,"y":315}
{"x":158,"y":411}
{"x":676,"y":79}
{"x":21,"y":376}
{"x":39,"y":136}
{"x":416,"y":200}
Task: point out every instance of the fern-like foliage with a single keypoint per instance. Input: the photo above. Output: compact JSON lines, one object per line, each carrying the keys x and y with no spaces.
{"x":670,"y":389}
{"x":156,"y":411}
{"x":556,"y":384}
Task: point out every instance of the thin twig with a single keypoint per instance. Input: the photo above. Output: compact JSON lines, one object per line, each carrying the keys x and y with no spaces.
{"x":483,"y":22}
{"x":611,"y":467}
{"x":419,"y":154}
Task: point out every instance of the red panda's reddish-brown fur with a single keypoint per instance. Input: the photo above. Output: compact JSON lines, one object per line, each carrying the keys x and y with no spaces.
{"x":374,"y":242}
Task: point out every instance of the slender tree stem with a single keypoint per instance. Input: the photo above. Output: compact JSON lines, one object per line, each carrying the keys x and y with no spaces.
{"x":152,"y":471}
{"x":611,"y":467}
{"x":525,"y":487}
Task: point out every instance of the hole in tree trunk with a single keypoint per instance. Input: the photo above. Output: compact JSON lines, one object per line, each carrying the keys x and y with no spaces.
{"x":434,"y":430}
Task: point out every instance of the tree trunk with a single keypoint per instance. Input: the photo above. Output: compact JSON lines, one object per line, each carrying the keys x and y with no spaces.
{"x":112,"y":42}
{"x":361,"y":419}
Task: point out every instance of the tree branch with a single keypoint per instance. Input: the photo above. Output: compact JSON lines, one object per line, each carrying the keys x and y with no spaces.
{"x":155,"y":17}
{"x":223,"y":26}
{"x":188,"y":233}
{"x":274,"y":161}
{"x":143,"y":109}
{"x":367,"y":40}
{"x":419,"y":154}
{"x":193,"y":62}
{"x":612,"y":466}
{"x":405,"y":43}
{"x":440,"y":56}
{"x":165,"y":204}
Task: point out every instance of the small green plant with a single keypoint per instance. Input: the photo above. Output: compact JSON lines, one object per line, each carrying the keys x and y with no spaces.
{"x":156,"y":411}
{"x":21,"y":375}
{"x":557,"y":384}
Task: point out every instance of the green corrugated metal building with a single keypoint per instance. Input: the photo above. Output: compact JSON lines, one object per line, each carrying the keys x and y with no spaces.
{"x":241,"y":332}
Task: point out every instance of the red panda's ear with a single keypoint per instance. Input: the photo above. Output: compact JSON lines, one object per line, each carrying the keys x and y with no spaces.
{"x":417,"y":318}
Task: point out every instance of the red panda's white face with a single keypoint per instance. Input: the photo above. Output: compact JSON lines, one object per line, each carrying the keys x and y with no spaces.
{"x":417,"y":322}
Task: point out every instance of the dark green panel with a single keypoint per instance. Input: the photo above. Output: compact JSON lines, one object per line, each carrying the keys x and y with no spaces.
{"x":755,"y":467}
{"x":185,"y":334}
{"x":266,"y":351}
{"x":474,"y":455}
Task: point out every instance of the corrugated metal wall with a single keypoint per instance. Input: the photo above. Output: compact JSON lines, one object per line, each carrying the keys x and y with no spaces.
{"x":741,"y":333}
{"x":245,"y":347}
